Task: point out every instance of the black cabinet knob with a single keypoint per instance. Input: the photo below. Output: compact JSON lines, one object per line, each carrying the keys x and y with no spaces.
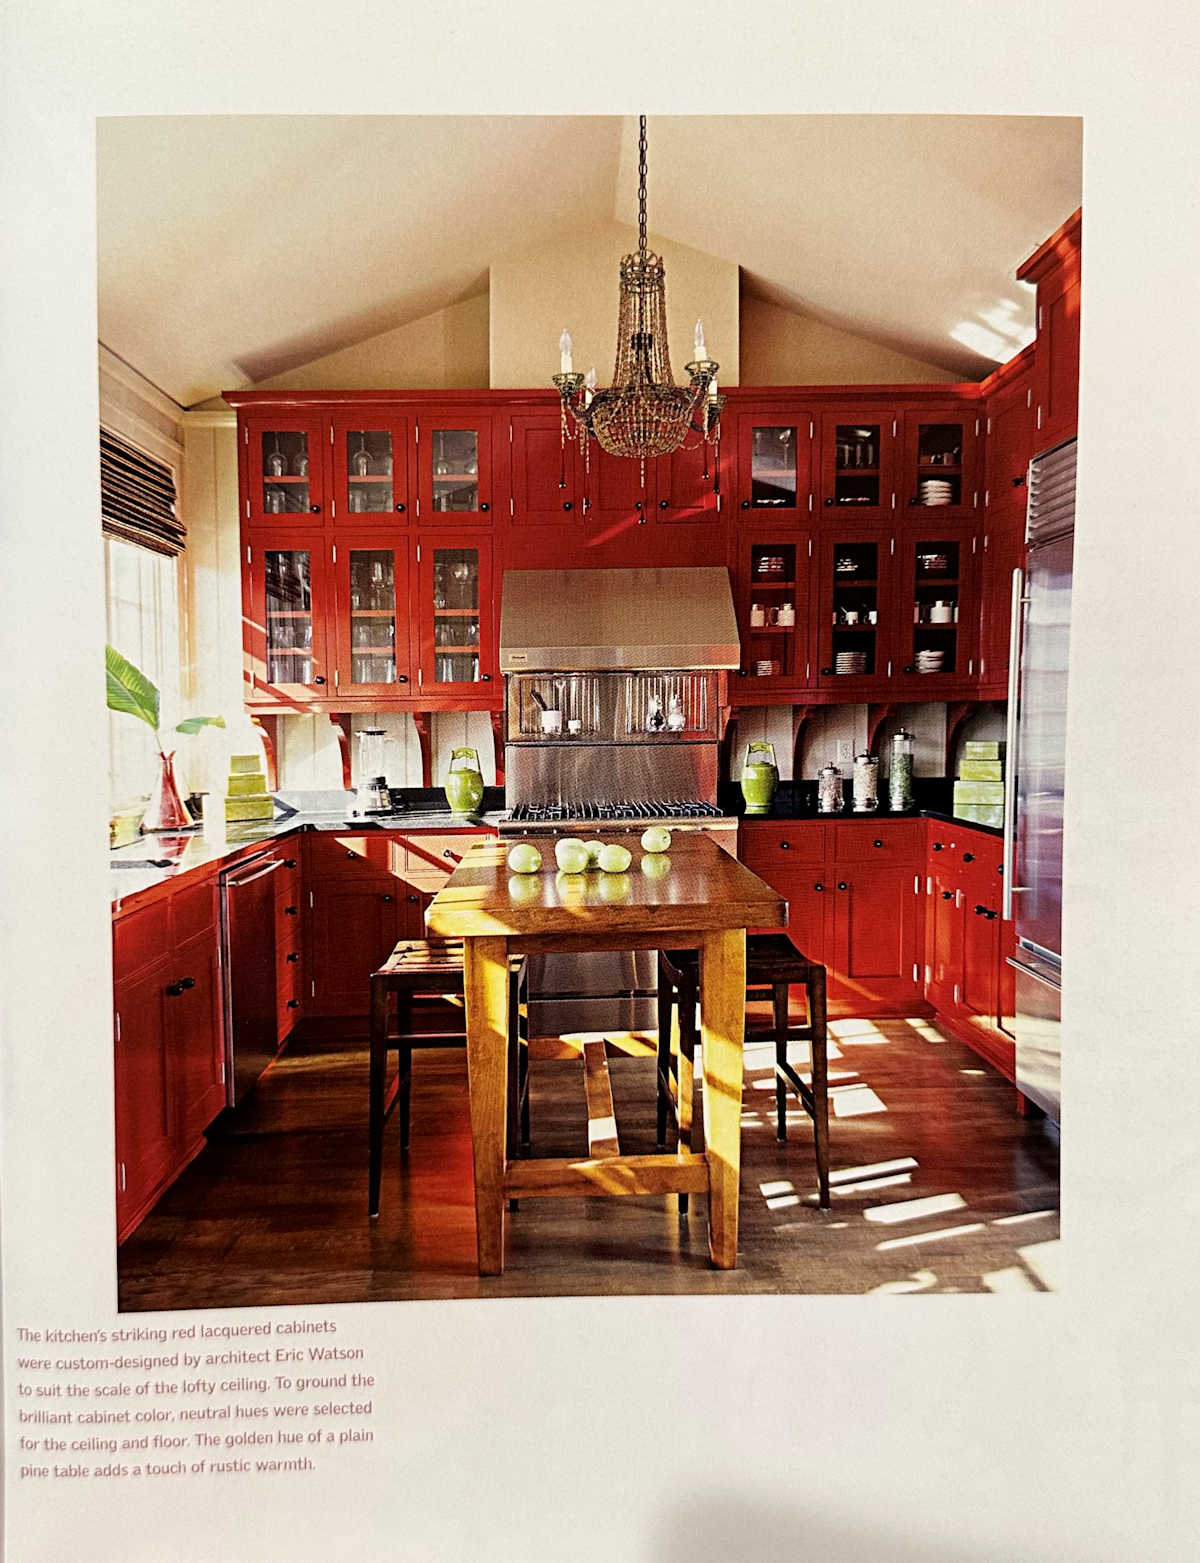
{"x":968,"y":857}
{"x":566,"y":504}
{"x":400,"y":508}
{"x":293,"y":1003}
{"x":387,"y":898}
{"x":947,"y":895}
{"x":319,"y":679}
{"x":412,"y":898}
{"x":639,"y":504}
{"x":877,"y":843}
{"x":402,"y":678}
{"x":350,"y":854}
{"x":174,"y":989}
{"x":447,"y":853}
{"x":485,"y":678}
{"x":1019,"y":482}
{"x":741,"y":672}
{"x":485,"y":506}
{"x":289,"y":862}
{"x":818,"y":886}
{"x":664,"y":504}
{"x":292,"y":956}
{"x":745,"y":504}
{"x":938,"y":846}
{"x":980,"y":910}
{"x":910,"y":668}
{"x":290,"y":911}
{"x":989,"y":914}
{"x":842,"y":885}
{"x":314,"y":510}
{"x":829,"y":501}
{"x":826,"y":672}
{"x":187,"y":982}
{"x":785,"y":846}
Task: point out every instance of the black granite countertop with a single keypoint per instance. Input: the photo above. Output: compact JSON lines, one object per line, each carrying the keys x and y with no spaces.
{"x":798,"y":801}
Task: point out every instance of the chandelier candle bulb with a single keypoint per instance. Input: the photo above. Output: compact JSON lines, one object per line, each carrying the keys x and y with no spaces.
{"x":589,"y":385}
{"x":564,"y":353}
{"x":698,"y":342}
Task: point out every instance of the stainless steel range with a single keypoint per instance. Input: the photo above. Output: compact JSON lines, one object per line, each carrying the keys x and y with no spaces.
{"x":614,"y":685}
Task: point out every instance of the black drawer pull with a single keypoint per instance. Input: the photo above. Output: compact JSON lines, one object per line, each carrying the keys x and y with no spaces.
{"x":400,"y":508}
{"x":387,"y":898}
{"x":293,"y":1003}
{"x":485,"y":506}
{"x":450,"y":855}
{"x":745,"y":504}
{"x":567,"y":504}
{"x":664,"y":504}
{"x":826,"y":672}
{"x":315,"y":509}
{"x":319,"y":679}
{"x":877,"y":843}
{"x":980,"y":910}
{"x":842,"y":885}
{"x":938,"y":846}
{"x":947,"y":895}
{"x":290,"y":911}
{"x":968,"y":857}
{"x":289,"y":862}
{"x":292,"y":955}
{"x":785,"y":846}
{"x":818,"y":886}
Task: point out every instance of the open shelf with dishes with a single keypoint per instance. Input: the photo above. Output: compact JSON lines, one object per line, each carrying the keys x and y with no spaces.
{"x":773,"y":612}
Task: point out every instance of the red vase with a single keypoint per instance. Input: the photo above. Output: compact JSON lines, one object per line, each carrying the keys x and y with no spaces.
{"x":166,"y":809}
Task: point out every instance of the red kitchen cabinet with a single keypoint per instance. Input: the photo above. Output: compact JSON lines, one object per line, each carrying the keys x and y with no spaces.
{"x":937,"y":609}
{"x":858,"y":466}
{"x":284,"y":468}
{"x":354,"y":925}
{"x":287,"y":587}
{"x":455,"y":465}
{"x":1003,"y":552}
{"x":370,"y":631}
{"x":143,"y":1114}
{"x":1055,"y":268}
{"x":198,"y":1073}
{"x":1010,"y":432}
{"x":939,"y":465}
{"x":544,"y":471}
{"x":618,"y":498}
{"x":773,"y":581}
{"x":856,"y":609}
{"x":876,"y":947}
{"x":456,"y":622}
{"x":943,"y":939}
{"x":775,"y":463}
{"x":370,"y":451}
{"x":687,"y":483}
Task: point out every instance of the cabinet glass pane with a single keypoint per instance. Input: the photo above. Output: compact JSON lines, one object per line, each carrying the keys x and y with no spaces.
{"x":773,"y":467}
{"x":455,"y":469}
{"x":284,"y":471}
{"x":769,"y":640}
{"x":939,"y":464}
{"x":372,"y":616}
{"x":369,"y":470}
{"x":936,"y":578}
{"x":455,"y":615}
{"x":288,"y":574}
{"x":855,"y":590}
{"x":856,"y":471}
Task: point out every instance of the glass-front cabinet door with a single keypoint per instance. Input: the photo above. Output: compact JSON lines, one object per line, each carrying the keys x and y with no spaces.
{"x":455,"y":613}
{"x":773,"y":617}
{"x":372,"y":619}
{"x":285,"y":469}
{"x":937,"y":644}
{"x":285,"y":640}
{"x":858,"y":465}
{"x":856,"y":606}
{"x":775,"y":464}
{"x":370,"y":467}
{"x":939,"y":463}
{"x":454,"y":466}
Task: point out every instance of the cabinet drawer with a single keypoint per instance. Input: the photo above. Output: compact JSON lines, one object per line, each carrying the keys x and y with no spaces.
{"x":432,"y":858}
{"x":139,"y":938}
{"x":194,"y":910}
{"x":346,"y":856}
{"x":878,"y":841}
{"x":781,"y":845}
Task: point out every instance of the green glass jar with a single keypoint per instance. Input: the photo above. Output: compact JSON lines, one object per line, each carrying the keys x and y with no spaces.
{"x":464,"y":783}
{"x":759,"y":778}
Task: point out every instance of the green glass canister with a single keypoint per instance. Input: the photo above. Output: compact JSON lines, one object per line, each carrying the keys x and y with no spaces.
{"x":464,"y":783}
{"x":759,"y":778}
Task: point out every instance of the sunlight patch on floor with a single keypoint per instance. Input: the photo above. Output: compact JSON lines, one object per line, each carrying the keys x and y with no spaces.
{"x":866,"y":1185}
{"x":1027,"y":1215}
{"x":1010,"y":1279}
{"x":1044,"y":1259}
{"x":854,"y":1101}
{"x":915,"y":1209}
{"x":918,"y":1281}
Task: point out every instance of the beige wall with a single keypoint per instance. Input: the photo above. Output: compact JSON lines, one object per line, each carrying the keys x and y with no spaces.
{"x":574,"y":283}
{"x":782,"y":347}
{"x":447,"y":350}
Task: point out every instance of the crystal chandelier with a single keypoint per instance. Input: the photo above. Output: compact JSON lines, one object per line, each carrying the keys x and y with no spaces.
{"x":645,"y":413}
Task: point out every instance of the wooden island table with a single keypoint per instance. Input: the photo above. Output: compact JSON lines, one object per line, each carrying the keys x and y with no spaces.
{"x":695,"y":897}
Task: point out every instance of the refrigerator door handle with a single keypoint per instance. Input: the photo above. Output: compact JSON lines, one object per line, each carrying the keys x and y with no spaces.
{"x":1038,"y":973}
{"x":1019,"y":600}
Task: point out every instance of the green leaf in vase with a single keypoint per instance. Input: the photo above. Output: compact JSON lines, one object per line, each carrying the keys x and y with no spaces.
{"x":193,"y":724}
{"x":129,"y":689}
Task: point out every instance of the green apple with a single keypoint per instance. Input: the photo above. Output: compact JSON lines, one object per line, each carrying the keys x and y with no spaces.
{"x":594,"y":849}
{"x":656,"y":865}
{"x":614,"y":859}
{"x":571,"y":855}
{"x":524,"y":858}
{"x":656,"y":838}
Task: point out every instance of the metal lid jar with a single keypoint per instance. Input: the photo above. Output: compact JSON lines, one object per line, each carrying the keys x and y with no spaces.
{"x":866,"y":783}
{"x":831,"y":799}
{"x":900,"y":772}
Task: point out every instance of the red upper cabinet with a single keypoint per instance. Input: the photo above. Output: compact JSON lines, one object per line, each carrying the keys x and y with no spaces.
{"x":856,"y":608}
{"x":774,"y":464}
{"x":544,"y":469}
{"x":457,"y":652}
{"x":858,"y":476}
{"x":370,"y":451}
{"x":618,"y":495}
{"x":773,"y":580}
{"x":1055,"y":268}
{"x":939,"y":468}
{"x":1010,"y":431}
{"x":370,"y":627}
{"x":286,"y":590}
{"x":455,"y":465}
{"x":284,"y":468}
{"x":937,"y":606}
{"x":687,"y":486}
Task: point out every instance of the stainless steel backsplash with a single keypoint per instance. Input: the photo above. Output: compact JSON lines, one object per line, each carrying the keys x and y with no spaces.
{"x":610,"y":773}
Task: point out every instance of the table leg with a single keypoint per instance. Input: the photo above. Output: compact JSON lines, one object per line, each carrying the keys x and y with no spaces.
{"x":485,"y":987}
{"x":376,"y":1091}
{"x":722,"y":1033}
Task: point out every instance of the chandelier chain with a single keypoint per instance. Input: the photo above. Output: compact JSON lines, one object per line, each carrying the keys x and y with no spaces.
{"x":642,"y":184}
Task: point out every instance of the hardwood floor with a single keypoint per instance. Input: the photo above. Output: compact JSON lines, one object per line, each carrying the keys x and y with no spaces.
{"x":937,"y":1186}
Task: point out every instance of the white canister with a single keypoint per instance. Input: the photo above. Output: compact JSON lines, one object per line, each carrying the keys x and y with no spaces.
{"x":787,"y":614}
{"x":941,"y":613}
{"x":866,"y":783}
{"x":758,"y":615}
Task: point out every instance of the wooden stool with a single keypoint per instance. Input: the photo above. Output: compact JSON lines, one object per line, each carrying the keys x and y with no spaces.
{"x":773,"y":964}
{"x":432,"y":968}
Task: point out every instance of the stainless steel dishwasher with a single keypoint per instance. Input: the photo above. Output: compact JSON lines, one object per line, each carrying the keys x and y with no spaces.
{"x":248,"y":941}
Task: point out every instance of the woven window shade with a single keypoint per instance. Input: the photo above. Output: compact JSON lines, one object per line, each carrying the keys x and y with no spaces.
{"x":137,"y":498}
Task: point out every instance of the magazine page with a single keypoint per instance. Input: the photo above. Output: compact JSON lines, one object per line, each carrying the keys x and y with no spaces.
{"x":541,"y":984}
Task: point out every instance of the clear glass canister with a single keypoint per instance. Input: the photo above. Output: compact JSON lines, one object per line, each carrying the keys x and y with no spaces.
{"x":830,"y":797}
{"x":866,"y":783}
{"x":900,"y":772}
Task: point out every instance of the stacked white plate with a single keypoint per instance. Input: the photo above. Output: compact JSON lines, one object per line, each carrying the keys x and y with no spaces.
{"x":930,"y":661}
{"x":935,"y":491}
{"x":850,"y":662}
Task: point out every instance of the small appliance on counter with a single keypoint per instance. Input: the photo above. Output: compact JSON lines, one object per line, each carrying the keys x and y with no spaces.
{"x":760,"y":778}
{"x":464,"y":783}
{"x":372,"y":795}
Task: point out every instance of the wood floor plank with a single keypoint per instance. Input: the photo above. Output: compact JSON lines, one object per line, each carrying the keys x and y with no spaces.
{"x":602,"y":1117}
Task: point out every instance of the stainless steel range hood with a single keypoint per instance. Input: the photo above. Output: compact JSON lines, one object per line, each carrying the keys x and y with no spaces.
{"x":592,"y":620}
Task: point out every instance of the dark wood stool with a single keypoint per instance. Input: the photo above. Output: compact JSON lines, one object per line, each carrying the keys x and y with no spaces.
{"x":773,"y":965}
{"x":432,"y":968}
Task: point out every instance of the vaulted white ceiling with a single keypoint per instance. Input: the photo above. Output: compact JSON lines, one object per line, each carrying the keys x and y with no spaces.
{"x":235,"y":248}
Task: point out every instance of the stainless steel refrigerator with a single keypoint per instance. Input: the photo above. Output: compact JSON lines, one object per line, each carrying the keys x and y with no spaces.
{"x":1036,"y":750}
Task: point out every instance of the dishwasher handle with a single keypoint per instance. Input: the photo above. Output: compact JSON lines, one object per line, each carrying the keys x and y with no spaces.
{"x":268,"y":867}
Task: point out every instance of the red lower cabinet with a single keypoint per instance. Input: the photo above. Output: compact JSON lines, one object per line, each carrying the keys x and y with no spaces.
{"x":943,"y":939}
{"x":143,"y":1118}
{"x":876,"y":948}
{"x":198,"y":1076}
{"x":354,"y":924}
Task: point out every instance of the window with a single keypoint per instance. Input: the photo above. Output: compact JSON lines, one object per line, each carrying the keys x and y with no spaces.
{"x":143,"y":624}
